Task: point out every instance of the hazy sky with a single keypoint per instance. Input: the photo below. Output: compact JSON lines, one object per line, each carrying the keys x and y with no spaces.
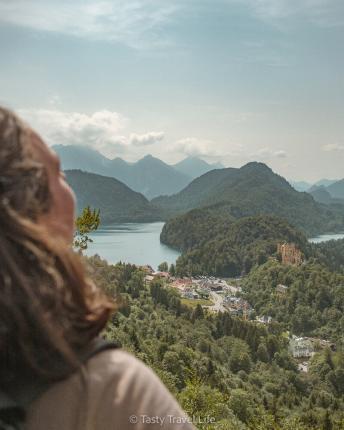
{"x":228,"y":80}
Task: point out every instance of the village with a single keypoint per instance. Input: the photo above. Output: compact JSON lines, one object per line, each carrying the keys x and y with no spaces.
{"x":212,"y":293}
{"x":221,"y":295}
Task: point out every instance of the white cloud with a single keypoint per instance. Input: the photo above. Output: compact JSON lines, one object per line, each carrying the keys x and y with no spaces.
{"x":134,"y":23}
{"x":333,"y":147}
{"x":268,"y":154}
{"x":280,"y":154}
{"x":196,"y":147}
{"x":102,"y":130}
{"x":146,"y":139}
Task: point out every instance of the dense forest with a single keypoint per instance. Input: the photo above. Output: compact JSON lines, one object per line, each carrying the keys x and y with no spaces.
{"x":115,"y":200}
{"x":194,"y":228}
{"x":312,"y":305}
{"x":238,"y":372}
{"x":254,"y":189}
{"x":330,"y":253}
{"x":223,"y":247}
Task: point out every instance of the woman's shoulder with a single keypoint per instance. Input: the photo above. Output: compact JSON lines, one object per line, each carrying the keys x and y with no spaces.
{"x":120,"y":371}
{"x":113,"y":363}
{"x":115,"y":386}
{"x":133,"y":394}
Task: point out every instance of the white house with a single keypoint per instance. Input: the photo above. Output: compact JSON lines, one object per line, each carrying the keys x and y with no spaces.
{"x":301,"y":347}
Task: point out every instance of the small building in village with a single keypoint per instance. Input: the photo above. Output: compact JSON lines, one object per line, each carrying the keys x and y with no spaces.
{"x":281,"y":289}
{"x":212,"y":284}
{"x":264,"y":319}
{"x":165,"y":275}
{"x":237,"y":306}
{"x":181,"y":283}
{"x":301,"y":347}
{"x":190,"y":294}
{"x":149,"y":278}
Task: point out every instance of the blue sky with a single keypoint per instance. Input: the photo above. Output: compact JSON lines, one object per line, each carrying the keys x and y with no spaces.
{"x":227,"y":80}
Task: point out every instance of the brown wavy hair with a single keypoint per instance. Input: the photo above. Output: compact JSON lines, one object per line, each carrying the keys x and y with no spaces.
{"x":49,"y":309}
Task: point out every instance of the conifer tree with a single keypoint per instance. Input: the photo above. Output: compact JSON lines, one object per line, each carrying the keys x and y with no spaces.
{"x":87,"y":222}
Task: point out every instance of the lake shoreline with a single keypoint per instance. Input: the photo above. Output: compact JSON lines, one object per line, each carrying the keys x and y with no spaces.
{"x":135,"y":243}
{"x":139,"y":243}
{"x":326,"y":237}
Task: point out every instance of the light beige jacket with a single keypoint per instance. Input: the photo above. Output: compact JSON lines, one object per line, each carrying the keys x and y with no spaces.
{"x":115,"y":392}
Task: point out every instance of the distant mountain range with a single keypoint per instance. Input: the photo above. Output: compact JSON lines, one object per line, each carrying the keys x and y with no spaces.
{"x":330,"y":194}
{"x":116,"y":201}
{"x":149,"y":176}
{"x":307,"y":186}
{"x":251,"y":190}
{"x":321,"y":195}
{"x":300,"y":185}
{"x":195,"y":167}
{"x":336,"y":189}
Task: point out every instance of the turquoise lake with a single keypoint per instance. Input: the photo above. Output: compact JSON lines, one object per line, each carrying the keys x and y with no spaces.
{"x":327,"y":237}
{"x":140,"y":244}
{"x":132,"y":243}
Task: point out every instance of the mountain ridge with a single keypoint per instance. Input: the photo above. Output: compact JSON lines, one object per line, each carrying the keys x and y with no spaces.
{"x":253,"y":189}
{"x":115,"y":200}
{"x":195,"y":167}
{"x":149,"y":175}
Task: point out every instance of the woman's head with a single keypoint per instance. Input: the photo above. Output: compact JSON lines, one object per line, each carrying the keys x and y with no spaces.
{"x":49,"y":309}
{"x":31,"y":180}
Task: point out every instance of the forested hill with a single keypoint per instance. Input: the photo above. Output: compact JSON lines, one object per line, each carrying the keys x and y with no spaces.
{"x":254,"y":189}
{"x":116,"y":201}
{"x":237,"y":372}
{"x":232,"y":248}
{"x":313,"y":304}
{"x":195,"y":227}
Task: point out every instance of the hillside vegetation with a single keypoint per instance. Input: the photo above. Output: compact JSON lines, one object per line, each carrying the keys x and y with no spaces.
{"x":223,"y":247}
{"x":313,"y":304}
{"x":330,"y":254}
{"x":116,"y":201}
{"x":238,"y":372}
{"x":254,"y":189}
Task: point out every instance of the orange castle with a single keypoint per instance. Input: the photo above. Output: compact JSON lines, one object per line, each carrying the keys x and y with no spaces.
{"x":290,"y":254}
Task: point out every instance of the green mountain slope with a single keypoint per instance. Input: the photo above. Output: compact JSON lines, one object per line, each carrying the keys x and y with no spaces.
{"x":251,"y":190}
{"x":233,"y":248}
{"x":193,"y":228}
{"x":116,"y":201}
